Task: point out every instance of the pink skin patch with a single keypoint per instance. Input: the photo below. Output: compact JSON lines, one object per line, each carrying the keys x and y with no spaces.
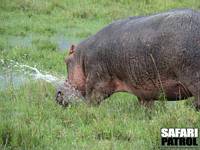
{"x":77,"y":79}
{"x":76,"y":76}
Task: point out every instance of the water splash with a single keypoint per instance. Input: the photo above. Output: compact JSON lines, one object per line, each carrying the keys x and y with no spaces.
{"x":15,"y":70}
{"x":33,"y":71}
{"x":16,"y":74}
{"x":38,"y":75}
{"x":68,"y":94}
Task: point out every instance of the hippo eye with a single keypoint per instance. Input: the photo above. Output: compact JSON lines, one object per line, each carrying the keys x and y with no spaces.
{"x":59,"y":93}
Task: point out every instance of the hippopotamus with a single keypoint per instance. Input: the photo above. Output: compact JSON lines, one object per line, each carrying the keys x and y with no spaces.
{"x":143,"y":55}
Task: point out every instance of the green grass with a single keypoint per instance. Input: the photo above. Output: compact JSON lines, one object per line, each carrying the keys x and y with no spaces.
{"x":29,"y":117}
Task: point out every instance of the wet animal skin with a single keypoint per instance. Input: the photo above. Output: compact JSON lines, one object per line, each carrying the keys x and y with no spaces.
{"x":145,"y":56}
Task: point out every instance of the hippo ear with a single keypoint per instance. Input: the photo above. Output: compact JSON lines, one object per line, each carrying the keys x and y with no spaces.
{"x":72,"y":49}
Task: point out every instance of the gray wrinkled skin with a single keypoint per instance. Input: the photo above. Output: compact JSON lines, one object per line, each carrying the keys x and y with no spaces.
{"x":144,"y":53}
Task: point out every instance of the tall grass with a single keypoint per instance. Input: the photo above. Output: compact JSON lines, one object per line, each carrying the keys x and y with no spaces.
{"x":29,"y":116}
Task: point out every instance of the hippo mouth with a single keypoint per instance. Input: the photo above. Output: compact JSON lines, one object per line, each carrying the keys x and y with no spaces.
{"x":60,"y":99}
{"x":67,"y":94}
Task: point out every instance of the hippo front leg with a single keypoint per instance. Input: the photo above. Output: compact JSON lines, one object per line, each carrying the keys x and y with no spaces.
{"x":97,"y":93}
{"x":94,"y":97}
{"x":192,"y":81}
{"x":97,"y":90}
{"x":146,"y":103}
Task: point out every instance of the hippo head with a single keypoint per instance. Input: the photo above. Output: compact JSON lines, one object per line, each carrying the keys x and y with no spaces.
{"x":98,"y":87}
{"x":73,"y":87}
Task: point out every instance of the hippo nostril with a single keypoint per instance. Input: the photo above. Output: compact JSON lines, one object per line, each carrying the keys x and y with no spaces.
{"x":59,"y":96}
{"x":59,"y":93}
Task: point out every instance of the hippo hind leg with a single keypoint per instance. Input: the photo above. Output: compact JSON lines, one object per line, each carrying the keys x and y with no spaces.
{"x":195,"y":89}
{"x":192,"y":81}
{"x":176,"y":91}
